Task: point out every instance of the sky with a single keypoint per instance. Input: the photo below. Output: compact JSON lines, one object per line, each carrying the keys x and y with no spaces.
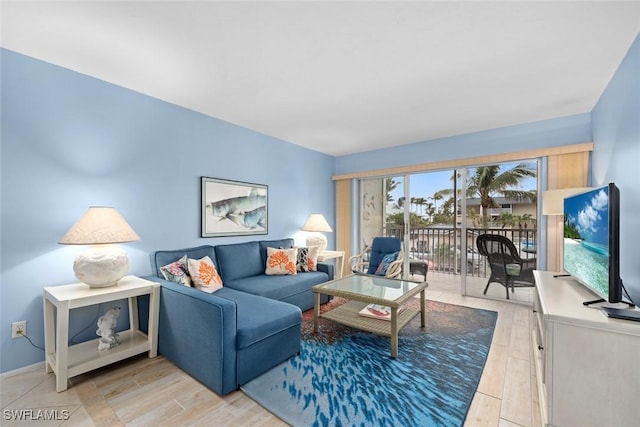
{"x":426,"y":184}
{"x":589,"y":213}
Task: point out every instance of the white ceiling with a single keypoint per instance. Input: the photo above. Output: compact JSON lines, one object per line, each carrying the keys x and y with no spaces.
{"x":341,"y":77}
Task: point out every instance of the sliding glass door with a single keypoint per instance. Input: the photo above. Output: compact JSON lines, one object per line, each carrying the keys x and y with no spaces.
{"x":499,"y":199}
{"x":439,"y":215}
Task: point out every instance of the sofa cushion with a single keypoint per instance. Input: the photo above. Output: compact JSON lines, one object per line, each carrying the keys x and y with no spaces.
{"x":204,"y":274}
{"x":160,"y":258}
{"x":260,"y":318}
{"x":177,"y":272}
{"x":279,"y":287}
{"x":281,"y":243}
{"x":281,"y":261}
{"x":307,"y":258}
{"x":239,"y":260}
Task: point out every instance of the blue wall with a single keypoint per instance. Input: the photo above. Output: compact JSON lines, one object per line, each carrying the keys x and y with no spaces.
{"x":70,"y":141}
{"x":548,"y":133}
{"x":616,"y":135}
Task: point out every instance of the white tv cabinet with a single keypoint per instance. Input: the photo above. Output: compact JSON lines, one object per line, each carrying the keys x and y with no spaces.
{"x":587,"y":365}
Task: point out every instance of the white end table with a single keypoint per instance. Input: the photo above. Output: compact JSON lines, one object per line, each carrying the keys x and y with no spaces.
{"x":338,"y":256}
{"x":68,"y":361}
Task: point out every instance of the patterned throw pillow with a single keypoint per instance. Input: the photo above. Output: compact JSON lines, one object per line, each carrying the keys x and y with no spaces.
{"x":302,"y":262}
{"x":204,"y":274}
{"x":281,"y":261}
{"x":307,"y":259}
{"x":177,"y":272}
{"x":386,"y":261}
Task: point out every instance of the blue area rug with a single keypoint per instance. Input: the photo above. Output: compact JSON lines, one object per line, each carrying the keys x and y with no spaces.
{"x":344,"y":377}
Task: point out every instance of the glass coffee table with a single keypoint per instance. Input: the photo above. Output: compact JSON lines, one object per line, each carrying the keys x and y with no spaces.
{"x":363,"y":289}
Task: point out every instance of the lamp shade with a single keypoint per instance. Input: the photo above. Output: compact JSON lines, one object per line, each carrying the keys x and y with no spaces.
{"x":317,"y":225}
{"x":553,"y":200}
{"x":101,"y":265}
{"x":316,"y":222}
{"x":99,"y":225}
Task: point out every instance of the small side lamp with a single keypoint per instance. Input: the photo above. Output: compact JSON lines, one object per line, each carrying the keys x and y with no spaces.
{"x":101,"y":265}
{"x":317,"y":225}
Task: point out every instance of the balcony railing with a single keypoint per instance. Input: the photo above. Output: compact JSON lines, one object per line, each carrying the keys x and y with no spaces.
{"x":441,"y":247}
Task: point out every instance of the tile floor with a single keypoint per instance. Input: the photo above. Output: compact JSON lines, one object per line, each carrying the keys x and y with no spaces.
{"x":142,"y":391}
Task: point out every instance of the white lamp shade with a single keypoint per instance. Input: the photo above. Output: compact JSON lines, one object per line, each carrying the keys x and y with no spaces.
{"x":317,"y":225}
{"x":316,"y":222}
{"x":103,"y":265}
{"x":553,"y":200}
{"x":99,"y":225}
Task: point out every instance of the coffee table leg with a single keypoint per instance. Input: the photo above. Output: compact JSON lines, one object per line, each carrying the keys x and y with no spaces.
{"x":394,"y":332}
{"x":316,"y":310}
{"x":422,"y":310}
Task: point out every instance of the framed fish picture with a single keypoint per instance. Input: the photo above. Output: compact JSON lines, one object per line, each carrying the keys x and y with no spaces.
{"x":233,"y":208}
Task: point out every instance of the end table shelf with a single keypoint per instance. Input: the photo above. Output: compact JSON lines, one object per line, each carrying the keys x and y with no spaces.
{"x":68,"y":361}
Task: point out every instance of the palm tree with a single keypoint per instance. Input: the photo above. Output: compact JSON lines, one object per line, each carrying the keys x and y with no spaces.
{"x":507,"y":218}
{"x":524,"y":219}
{"x":421,"y":203}
{"x":488,"y":182}
{"x":438,"y":195}
{"x":391,"y":185}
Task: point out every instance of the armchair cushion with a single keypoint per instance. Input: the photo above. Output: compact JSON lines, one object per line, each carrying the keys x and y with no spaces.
{"x":385,"y":263}
{"x":380,"y":247}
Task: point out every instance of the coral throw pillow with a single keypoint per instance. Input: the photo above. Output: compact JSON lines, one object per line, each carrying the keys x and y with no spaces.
{"x":281,"y":261}
{"x":177,"y":272}
{"x":204,"y":274}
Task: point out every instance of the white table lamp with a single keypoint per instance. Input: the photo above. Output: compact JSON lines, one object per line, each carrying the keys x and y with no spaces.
{"x":317,"y":225}
{"x":101,"y":265}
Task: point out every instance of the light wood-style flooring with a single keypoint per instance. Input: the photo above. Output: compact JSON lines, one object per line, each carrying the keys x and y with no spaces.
{"x":154,"y":392}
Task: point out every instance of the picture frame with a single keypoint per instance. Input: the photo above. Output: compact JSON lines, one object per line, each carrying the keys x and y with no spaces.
{"x":233,"y":208}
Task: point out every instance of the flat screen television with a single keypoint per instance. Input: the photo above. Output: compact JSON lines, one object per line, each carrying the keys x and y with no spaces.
{"x":592,"y":241}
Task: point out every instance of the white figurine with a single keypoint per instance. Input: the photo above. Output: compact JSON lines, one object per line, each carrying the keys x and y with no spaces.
{"x":107,"y":329}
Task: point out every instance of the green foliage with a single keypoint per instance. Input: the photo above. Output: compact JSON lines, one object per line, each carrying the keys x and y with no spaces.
{"x":506,"y":219}
{"x":414,"y":220}
{"x":570,"y":229}
{"x":488,"y":182}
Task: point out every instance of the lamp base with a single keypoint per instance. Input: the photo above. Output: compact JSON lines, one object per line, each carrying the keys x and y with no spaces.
{"x":101,"y":267}
{"x":317,"y":239}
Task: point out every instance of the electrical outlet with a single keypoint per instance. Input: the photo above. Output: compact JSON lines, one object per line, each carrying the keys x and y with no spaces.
{"x":18,"y":329}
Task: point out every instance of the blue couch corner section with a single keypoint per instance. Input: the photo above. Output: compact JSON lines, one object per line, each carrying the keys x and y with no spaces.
{"x":252,"y":324}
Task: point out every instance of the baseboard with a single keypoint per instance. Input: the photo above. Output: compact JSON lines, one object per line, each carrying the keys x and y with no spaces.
{"x":24,"y":369}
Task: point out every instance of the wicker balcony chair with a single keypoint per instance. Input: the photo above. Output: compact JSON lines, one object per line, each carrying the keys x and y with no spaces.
{"x":507,"y":268}
{"x":369,"y":259}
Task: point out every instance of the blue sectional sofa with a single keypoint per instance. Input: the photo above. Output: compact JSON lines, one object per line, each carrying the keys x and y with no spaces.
{"x":249,"y":326}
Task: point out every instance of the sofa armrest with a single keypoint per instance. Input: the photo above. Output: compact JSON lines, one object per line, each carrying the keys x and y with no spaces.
{"x":197,"y":332}
{"x":327,"y":268}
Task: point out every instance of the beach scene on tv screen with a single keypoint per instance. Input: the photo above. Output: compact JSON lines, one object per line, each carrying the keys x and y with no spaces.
{"x":586,"y":239}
